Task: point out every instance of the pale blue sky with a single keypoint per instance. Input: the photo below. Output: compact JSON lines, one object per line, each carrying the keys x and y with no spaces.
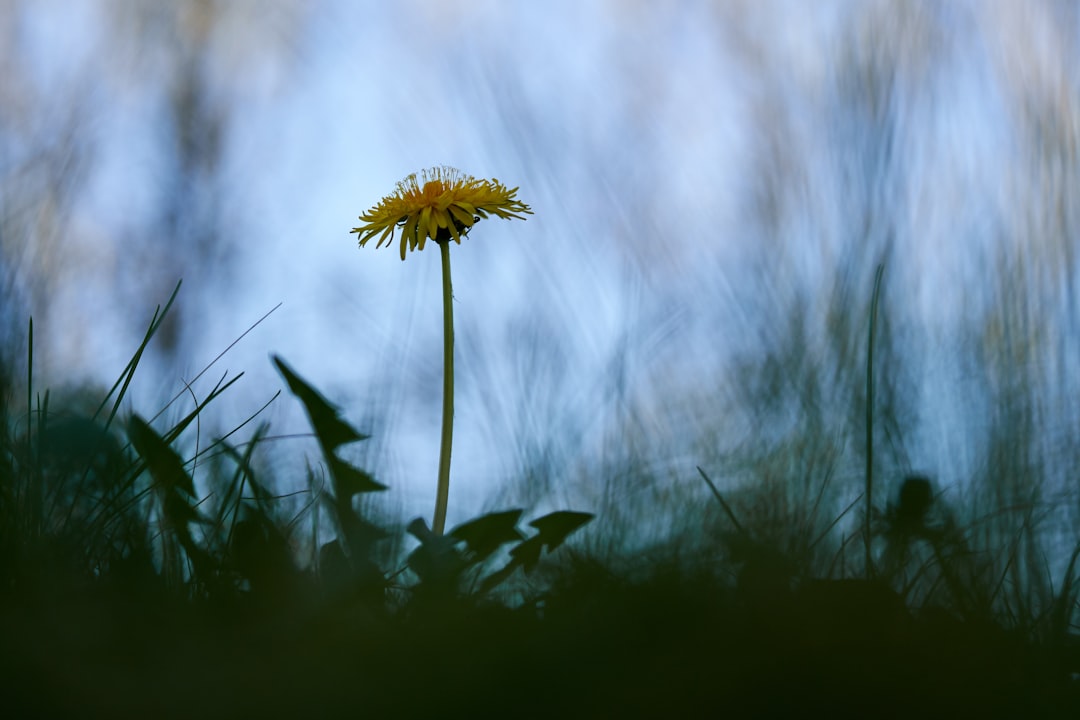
{"x":640,"y":133}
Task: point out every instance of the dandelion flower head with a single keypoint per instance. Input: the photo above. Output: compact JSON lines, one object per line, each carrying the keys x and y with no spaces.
{"x":440,"y":203}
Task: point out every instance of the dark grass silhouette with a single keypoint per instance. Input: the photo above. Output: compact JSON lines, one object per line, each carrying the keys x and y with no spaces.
{"x":128,"y":589}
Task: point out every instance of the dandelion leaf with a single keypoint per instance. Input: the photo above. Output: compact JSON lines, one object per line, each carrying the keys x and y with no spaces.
{"x":437,"y":562}
{"x":334,"y":570}
{"x":487,"y":533}
{"x":526,"y":554}
{"x":332,"y":431}
{"x":350,"y":480}
{"x":497,"y":577}
{"x":555,"y":527}
{"x":419,"y":529}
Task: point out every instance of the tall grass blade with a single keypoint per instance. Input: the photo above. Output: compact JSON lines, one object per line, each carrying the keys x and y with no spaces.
{"x":124,"y":381}
{"x":723,"y":503}
{"x":867,"y":539}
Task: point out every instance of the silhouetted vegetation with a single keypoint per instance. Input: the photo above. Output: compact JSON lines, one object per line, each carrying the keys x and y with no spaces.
{"x":127,"y":588}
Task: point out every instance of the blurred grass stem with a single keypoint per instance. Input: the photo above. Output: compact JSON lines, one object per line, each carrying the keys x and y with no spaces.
{"x":870,"y":420}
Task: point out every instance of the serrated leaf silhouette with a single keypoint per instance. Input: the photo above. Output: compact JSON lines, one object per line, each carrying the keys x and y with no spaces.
{"x":174,"y":488}
{"x":332,"y":431}
{"x":484,"y":535}
{"x":497,"y":577}
{"x":526,"y":554}
{"x":552,"y":531}
{"x":436,"y":562}
{"x":555,"y":527}
{"x":350,"y":480}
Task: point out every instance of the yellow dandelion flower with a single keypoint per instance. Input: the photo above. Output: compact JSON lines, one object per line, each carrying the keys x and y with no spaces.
{"x":441,"y":203}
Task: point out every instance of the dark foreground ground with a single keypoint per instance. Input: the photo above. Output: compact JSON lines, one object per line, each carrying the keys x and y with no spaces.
{"x":595,"y":647}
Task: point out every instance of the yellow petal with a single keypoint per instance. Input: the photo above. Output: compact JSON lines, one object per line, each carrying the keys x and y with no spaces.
{"x":461,"y":216}
{"x":440,"y":197}
{"x":387,"y":233}
{"x":425,"y":223}
{"x":409,"y":230}
{"x":433,"y":225}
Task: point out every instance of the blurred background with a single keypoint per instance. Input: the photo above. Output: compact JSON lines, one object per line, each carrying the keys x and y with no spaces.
{"x":714,"y":185}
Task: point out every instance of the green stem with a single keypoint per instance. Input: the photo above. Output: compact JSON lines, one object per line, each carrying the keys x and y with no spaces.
{"x":443,"y":495}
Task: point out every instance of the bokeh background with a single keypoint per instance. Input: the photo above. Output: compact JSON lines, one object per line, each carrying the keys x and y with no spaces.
{"x":714,"y":186}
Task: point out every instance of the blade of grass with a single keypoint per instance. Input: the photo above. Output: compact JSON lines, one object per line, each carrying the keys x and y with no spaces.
{"x":212,"y":362}
{"x":140,"y":465}
{"x":870,"y":420}
{"x":129,"y":371}
{"x":723,"y":503}
{"x":837,"y":519}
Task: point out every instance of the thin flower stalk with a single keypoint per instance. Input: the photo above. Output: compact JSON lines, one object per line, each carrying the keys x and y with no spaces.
{"x":440,"y":204}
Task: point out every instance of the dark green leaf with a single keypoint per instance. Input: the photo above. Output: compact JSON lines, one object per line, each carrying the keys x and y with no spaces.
{"x":174,"y":487}
{"x":334,"y":569}
{"x":161,"y":460}
{"x":526,"y":554}
{"x":555,"y":527}
{"x":357,"y":534}
{"x":330,"y":428}
{"x":350,"y":480}
{"x":341,"y":575}
{"x":418,"y":529}
{"x":437,"y":562}
{"x":487,"y":533}
{"x":360,"y":533}
{"x":553,"y":530}
{"x":495,"y":578}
